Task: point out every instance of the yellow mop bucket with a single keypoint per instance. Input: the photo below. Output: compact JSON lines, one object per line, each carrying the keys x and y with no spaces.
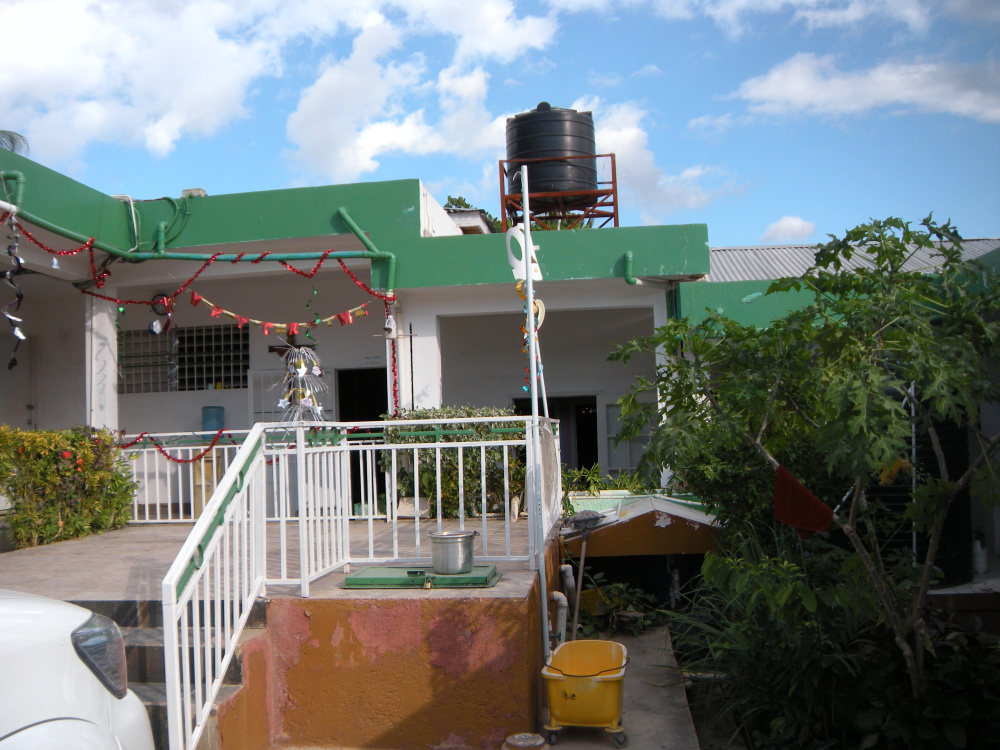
{"x":584,"y":681}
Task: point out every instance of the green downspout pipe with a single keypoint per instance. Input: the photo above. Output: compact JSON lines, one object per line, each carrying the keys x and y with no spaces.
{"x":18,"y":177}
{"x":629,"y":278}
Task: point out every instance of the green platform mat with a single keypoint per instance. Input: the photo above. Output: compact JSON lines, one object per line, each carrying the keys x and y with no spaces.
{"x":375,"y":577}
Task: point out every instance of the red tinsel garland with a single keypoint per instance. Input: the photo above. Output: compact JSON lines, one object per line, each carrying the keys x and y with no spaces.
{"x":163,"y":451}
{"x":384,"y":297}
{"x":303,"y":274}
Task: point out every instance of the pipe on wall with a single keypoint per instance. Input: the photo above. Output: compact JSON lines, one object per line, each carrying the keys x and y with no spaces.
{"x":569,"y":584}
{"x":562,"y":614}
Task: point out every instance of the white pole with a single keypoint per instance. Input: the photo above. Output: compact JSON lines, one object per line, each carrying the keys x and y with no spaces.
{"x":536,"y":443}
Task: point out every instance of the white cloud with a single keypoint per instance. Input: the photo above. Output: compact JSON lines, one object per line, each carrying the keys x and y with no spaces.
{"x":789,"y":229}
{"x":648,"y":70}
{"x":152,"y":73}
{"x":351,"y":114}
{"x":812,"y":84}
{"x":712,"y":125}
{"x":975,"y":10}
{"x":641,"y":182}
{"x":157,"y":72}
{"x":731,"y":15}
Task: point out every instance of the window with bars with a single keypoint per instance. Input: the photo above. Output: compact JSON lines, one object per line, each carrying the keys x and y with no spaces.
{"x":183,"y":359}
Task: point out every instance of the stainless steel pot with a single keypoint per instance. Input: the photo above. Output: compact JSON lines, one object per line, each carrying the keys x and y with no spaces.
{"x":452,"y":551}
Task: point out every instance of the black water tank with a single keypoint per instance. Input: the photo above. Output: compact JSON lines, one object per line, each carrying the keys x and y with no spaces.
{"x":550,"y":132}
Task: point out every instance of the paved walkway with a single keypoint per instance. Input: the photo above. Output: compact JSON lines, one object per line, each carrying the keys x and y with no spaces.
{"x":655,"y":713}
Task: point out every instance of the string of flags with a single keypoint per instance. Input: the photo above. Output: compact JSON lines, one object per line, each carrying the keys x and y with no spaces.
{"x":344,"y":318}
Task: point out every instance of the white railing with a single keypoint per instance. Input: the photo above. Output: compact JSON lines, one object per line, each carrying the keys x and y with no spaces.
{"x":296,"y":502}
{"x":175,"y":481}
{"x":209,"y":591}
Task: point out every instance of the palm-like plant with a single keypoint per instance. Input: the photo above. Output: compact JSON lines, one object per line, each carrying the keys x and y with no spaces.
{"x":11,"y":141}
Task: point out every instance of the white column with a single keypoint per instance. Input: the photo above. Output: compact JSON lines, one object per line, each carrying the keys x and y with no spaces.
{"x":426,"y":348}
{"x":102,"y":362}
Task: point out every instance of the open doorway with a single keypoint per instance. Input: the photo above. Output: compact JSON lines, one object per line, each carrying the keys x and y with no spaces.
{"x":361,"y":397}
{"x":577,"y":417}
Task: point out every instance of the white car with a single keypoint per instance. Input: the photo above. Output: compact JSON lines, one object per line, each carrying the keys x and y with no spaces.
{"x":62,"y":680}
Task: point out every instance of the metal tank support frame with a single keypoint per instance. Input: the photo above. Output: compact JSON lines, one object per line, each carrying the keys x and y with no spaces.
{"x":562,"y":210}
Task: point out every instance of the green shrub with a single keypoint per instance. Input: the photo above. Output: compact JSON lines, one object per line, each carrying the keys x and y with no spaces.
{"x":808,"y":662}
{"x":472,"y":485}
{"x":62,"y":484}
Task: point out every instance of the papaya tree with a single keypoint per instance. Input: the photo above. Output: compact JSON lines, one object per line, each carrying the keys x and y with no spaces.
{"x":887,"y":349}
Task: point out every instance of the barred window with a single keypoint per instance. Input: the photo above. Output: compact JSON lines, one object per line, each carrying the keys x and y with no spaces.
{"x":183,"y":359}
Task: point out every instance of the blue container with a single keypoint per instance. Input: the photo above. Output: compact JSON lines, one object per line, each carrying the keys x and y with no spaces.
{"x":213,"y":418}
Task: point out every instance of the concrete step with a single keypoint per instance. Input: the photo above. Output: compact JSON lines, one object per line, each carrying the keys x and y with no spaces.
{"x":141,"y":624}
{"x":144,"y":655}
{"x":154,"y":696}
{"x":128,"y":614}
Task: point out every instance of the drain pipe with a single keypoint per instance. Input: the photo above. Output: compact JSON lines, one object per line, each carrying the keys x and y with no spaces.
{"x":628,"y":261}
{"x":562,"y":614}
{"x":569,"y":585}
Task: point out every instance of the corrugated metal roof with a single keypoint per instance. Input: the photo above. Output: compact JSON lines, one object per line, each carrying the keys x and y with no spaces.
{"x":762,"y":263}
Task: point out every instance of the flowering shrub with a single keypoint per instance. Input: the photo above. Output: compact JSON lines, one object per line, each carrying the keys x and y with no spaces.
{"x":62,"y":484}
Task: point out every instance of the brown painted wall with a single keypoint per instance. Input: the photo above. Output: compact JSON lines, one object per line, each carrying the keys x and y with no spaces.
{"x":654,"y":533}
{"x":246,"y":719}
{"x":396,"y":673}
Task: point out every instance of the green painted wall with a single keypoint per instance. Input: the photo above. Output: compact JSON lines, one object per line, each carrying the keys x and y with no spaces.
{"x":742,"y":301}
{"x":574,"y":254}
{"x":388,"y":211}
{"x":65,"y":202}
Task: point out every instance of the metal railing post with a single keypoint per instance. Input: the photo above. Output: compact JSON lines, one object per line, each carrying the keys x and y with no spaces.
{"x":305,"y":539}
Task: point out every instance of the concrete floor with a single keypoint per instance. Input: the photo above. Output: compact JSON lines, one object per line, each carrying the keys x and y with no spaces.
{"x":129,"y":564}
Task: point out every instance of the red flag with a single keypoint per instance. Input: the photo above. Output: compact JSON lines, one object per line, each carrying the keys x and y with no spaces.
{"x":798,"y":507}
{"x":195,"y":298}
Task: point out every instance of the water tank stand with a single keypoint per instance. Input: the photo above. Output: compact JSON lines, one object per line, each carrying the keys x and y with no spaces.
{"x":574,"y":209}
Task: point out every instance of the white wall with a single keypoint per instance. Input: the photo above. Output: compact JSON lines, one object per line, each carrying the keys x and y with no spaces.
{"x":434,"y":220}
{"x":467,"y":343}
{"x":485,"y":365}
{"x":50,"y":374}
{"x":278,"y":298}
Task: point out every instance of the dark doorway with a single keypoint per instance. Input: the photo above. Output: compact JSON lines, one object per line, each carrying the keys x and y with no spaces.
{"x":361,"y":397}
{"x":577,"y":417}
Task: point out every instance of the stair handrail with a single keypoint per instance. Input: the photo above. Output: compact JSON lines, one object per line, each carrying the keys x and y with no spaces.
{"x":216,"y":623}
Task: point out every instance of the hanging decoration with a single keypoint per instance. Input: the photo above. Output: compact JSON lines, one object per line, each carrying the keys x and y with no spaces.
{"x":100,"y":273}
{"x":10,"y":276}
{"x":344,"y":318}
{"x":301,"y":385}
{"x":163,"y":450}
{"x":539,"y":310}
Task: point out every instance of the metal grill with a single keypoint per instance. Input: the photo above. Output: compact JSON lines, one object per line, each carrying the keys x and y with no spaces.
{"x":183,"y":359}
{"x":146,"y":363}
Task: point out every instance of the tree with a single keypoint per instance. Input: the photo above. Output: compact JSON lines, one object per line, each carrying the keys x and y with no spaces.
{"x":11,"y":141}
{"x":882,"y":352}
{"x":460,"y":202}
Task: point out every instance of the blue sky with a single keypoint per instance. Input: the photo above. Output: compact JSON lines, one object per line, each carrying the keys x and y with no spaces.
{"x":771,"y":121}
